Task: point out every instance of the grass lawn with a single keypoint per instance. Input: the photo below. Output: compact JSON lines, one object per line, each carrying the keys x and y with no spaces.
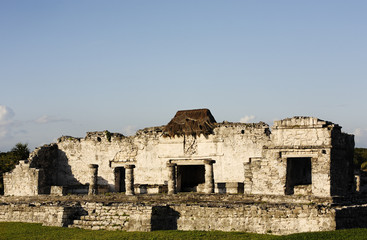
{"x":27,"y":231}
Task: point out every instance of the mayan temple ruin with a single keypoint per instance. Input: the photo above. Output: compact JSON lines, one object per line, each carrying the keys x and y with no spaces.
{"x":193,"y":174}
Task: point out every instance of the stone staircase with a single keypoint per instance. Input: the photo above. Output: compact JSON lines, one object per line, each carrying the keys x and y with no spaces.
{"x":102,"y":221}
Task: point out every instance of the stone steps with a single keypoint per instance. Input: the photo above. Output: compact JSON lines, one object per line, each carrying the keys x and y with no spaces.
{"x":96,"y":222}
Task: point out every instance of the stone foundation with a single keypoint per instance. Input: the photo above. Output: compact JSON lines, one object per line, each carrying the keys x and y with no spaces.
{"x":257,"y":214}
{"x":48,"y":215}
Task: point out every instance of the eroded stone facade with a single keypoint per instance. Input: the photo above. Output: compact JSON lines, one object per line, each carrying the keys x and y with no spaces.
{"x":297,"y":157}
{"x":300,"y":155}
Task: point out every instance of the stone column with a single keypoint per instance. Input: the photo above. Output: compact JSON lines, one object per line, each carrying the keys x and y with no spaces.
{"x":209,"y":176}
{"x":129,"y":179}
{"x":248,"y":177}
{"x":171,"y":178}
{"x":357,"y":179}
{"x":93,"y":186}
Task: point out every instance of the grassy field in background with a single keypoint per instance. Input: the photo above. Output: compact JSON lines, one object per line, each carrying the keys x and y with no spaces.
{"x":30,"y":231}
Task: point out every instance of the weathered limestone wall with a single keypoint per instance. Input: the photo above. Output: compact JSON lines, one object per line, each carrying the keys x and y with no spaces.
{"x":230,"y":146}
{"x":115,"y":216}
{"x":257,"y":218}
{"x":76,"y":154}
{"x":304,"y":137}
{"x":236,"y":158}
{"x":24,"y":181}
{"x":258,"y":214}
{"x":240,"y":142}
{"x":301,"y":131}
{"x":270,"y":173}
{"x":48,"y":215}
{"x":281,"y":218}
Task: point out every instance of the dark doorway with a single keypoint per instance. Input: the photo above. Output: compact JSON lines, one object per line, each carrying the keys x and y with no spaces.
{"x":298,"y":173}
{"x":120,"y":179}
{"x":189,"y":177}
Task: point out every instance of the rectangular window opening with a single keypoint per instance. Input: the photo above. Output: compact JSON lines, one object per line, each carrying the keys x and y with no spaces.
{"x":298,"y":173}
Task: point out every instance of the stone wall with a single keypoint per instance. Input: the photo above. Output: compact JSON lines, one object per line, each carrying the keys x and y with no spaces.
{"x":328,"y":150}
{"x":149,"y":151}
{"x":48,"y":215}
{"x":45,"y":158}
{"x":279,"y":215}
{"x":258,"y":218}
{"x":115,"y":216}
{"x":24,"y":181}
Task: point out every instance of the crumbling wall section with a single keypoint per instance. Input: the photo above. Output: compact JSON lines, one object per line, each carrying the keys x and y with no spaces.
{"x":75,"y":154}
{"x":24,"y":181}
{"x":48,"y":215}
{"x":243,"y":153}
{"x":45,"y":158}
{"x":238,"y":143}
{"x":35,"y":175}
{"x":230,"y":146}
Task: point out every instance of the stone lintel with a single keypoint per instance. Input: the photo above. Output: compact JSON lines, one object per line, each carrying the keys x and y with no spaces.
{"x":121,"y":164}
{"x":192,"y":161}
{"x":298,"y":154}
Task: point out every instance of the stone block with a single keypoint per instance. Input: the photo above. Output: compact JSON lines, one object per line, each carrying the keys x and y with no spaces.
{"x":230,"y":187}
{"x":58,"y":190}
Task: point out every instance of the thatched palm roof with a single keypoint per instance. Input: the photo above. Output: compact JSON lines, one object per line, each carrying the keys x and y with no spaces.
{"x":190,"y":122}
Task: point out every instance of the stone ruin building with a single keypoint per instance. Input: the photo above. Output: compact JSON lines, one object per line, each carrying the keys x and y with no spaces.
{"x":299,"y":166}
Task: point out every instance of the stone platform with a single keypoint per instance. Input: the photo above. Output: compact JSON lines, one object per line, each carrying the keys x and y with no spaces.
{"x":189,"y":211}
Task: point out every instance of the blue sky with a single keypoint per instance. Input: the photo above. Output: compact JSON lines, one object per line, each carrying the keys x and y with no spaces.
{"x":68,"y":67}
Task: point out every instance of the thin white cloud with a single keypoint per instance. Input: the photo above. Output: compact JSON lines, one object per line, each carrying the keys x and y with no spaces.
{"x":358,"y":132}
{"x":6,"y":115}
{"x":49,"y":119}
{"x":360,"y":137}
{"x":129,"y":130}
{"x":6,"y":122}
{"x":247,"y":119}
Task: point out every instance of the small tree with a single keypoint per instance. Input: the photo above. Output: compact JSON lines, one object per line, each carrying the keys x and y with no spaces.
{"x":21,"y":151}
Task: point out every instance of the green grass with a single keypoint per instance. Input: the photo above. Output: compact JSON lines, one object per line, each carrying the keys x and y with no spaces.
{"x":31,"y":231}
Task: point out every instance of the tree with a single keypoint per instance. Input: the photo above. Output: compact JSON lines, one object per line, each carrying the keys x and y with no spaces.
{"x":21,"y":151}
{"x":360,"y":156}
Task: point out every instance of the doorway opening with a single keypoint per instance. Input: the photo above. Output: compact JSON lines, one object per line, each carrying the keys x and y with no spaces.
{"x":190,"y":178}
{"x":298,"y":173}
{"x":120,"y":179}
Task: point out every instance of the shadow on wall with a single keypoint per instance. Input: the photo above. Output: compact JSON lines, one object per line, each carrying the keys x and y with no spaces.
{"x":341,"y":166}
{"x":64,"y":176}
{"x":341,"y":173}
{"x":164,"y":218}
